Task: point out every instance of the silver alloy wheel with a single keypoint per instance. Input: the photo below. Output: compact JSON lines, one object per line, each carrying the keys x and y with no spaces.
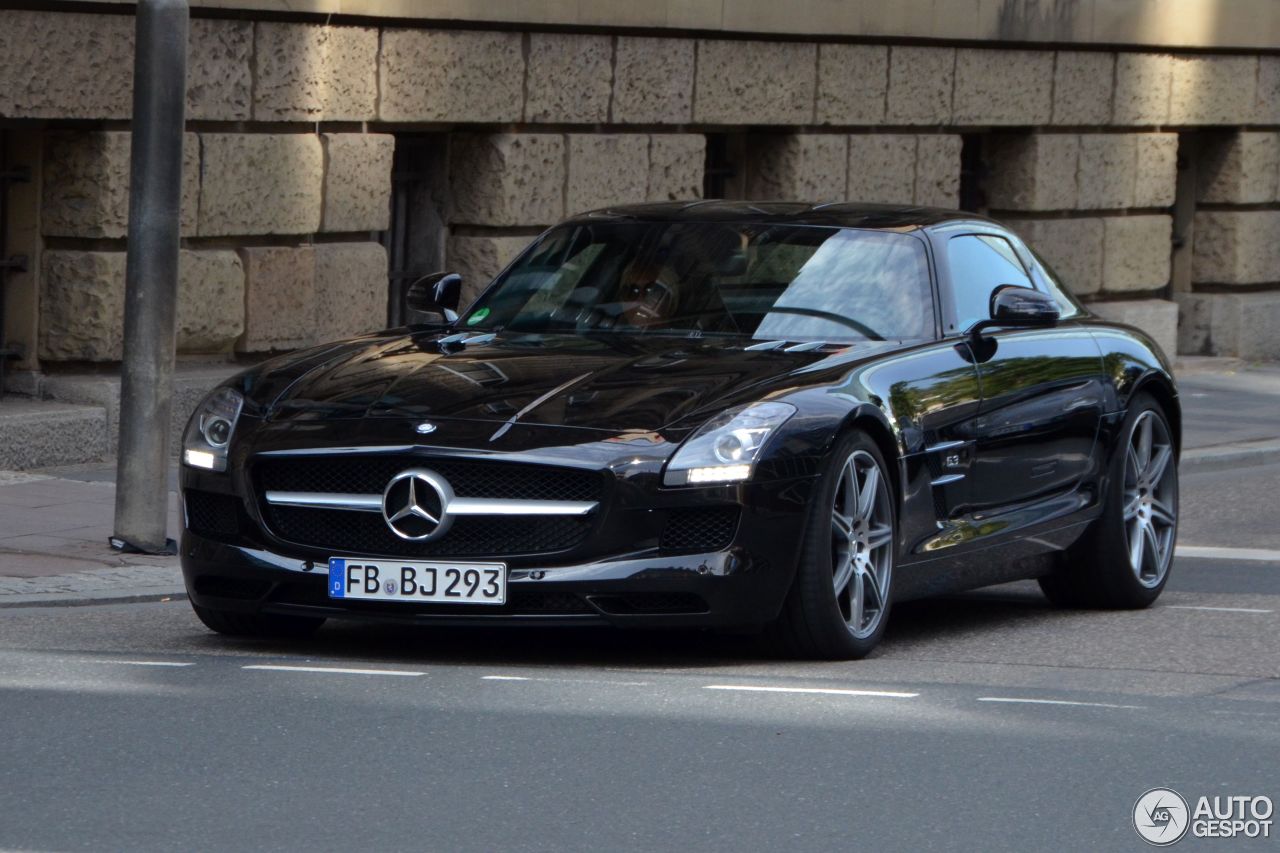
{"x":1150,"y":499}
{"x":861,"y":544}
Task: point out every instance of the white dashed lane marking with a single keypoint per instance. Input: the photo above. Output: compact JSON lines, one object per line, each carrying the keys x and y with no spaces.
{"x":172,"y":663}
{"x":332,"y":669}
{"x":565,"y":680}
{"x":830,"y":691}
{"x":1216,"y":609}
{"x":1211,"y":552}
{"x":1013,"y":700}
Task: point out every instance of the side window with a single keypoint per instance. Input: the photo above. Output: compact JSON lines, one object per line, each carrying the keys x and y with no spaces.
{"x":979,"y":264}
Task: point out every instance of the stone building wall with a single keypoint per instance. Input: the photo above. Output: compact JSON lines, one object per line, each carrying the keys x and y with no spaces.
{"x":292,"y":130}
{"x":1234,"y":308}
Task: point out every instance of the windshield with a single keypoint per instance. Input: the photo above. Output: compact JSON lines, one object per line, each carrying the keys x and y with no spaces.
{"x":769,"y":282}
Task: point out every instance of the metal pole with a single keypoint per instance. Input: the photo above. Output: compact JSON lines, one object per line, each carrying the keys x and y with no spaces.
{"x":151,"y":275}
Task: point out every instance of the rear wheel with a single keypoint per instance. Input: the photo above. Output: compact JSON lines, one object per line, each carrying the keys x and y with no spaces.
{"x":257,"y":624}
{"x":1124,"y":559}
{"x":839,"y":603}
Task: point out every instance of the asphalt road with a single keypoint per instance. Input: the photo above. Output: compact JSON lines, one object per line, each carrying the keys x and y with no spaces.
{"x":987,"y":721}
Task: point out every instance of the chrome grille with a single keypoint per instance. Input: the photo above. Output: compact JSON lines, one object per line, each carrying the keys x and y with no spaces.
{"x":469,"y":478}
{"x":355,"y":525}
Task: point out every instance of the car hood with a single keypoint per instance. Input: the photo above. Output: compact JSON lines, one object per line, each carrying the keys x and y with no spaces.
{"x":608,"y":382}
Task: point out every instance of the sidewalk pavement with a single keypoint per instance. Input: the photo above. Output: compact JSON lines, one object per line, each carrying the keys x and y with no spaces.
{"x":53,"y":542}
{"x":54,"y":523}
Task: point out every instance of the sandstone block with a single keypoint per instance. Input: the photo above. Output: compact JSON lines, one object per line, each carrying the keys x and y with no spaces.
{"x":1143,"y":84}
{"x":1157,"y":317}
{"x":279,"y":298}
{"x":1240,"y":325}
{"x":260,"y":183}
{"x":677,"y":165}
{"x":882,"y":168}
{"x":451,"y":75}
{"x":570,"y":78}
{"x":1266,"y":103}
{"x":1106,"y":170}
{"x":1213,"y":89}
{"x":743,"y":82}
{"x":86,"y":184}
{"x":82,"y":303}
{"x":210,"y":300}
{"x":307,"y":72}
{"x":1003,"y":87}
{"x":1239,"y":168}
{"x":357,"y":181}
{"x":1136,"y":252}
{"x":1032,"y":172}
{"x":920,"y":84}
{"x":606,"y":169}
{"x":1082,"y":82}
{"x":937,"y":181}
{"x":1072,"y":247}
{"x":350,"y":289}
{"x":1236,"y":247}
{"x":507,"y":178}
{"x":59,"y":65}
{"x":479,"y":258}
{"x":219,"y":77}
{"x":82,"y":306}
{"x":852,"y":82}
{"x":653,"y":80}
{"x":810,"y":167}
{"x":1155,"y":170}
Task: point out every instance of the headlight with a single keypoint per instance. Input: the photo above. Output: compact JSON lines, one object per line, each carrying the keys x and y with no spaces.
{"x":209,"y":432}
{"x":725,"y":448}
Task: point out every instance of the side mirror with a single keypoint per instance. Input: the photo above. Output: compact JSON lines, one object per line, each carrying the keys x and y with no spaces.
{"x":1012,"y":305}
{"x":437,"y":293}
{"x":1022,"y":306}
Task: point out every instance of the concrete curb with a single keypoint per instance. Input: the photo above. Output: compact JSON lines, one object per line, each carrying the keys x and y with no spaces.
{"x":83,"y":599}
{"x":1225,"y":457}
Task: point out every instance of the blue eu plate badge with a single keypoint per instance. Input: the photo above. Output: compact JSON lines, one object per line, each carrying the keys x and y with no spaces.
{"x":337,"y":574}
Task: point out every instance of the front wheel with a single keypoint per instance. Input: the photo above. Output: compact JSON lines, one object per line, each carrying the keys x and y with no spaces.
{"x":1124,"y":560}
{"x":839,"y":603}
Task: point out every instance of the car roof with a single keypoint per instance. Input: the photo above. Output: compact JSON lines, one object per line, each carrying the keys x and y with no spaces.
{"x":834,"y":214}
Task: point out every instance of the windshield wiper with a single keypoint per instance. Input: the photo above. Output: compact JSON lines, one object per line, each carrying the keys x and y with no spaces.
{"x":786,"y":346}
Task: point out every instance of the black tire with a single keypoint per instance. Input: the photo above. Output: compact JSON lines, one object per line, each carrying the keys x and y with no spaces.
{"x":1097,"y":571}
{"x":257,"y":624}
{"x":815,"y":621}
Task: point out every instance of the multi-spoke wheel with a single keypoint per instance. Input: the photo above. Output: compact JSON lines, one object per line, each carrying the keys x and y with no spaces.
{"x":861,"y":544}
{"x":1123,"y":561}
{"x":839,"y":602}
{"x":1150,"y":499}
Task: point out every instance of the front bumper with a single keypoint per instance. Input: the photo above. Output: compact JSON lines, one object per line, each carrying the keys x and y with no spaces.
{"x":624,"y":580}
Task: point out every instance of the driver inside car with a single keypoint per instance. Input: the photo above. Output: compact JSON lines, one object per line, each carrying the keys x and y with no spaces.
{"x":649,"y":293}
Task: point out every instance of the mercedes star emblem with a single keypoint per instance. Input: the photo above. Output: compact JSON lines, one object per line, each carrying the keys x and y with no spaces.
{"x":425,"y":428}
{"x":415,"y":505}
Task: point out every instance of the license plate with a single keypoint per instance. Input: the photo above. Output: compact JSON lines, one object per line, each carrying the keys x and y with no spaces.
{"x":416,"y":582}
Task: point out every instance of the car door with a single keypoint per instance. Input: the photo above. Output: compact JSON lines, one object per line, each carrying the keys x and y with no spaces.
{"x":1041,"y":389}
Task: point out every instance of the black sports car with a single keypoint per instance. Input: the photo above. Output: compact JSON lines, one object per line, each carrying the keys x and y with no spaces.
{"x":715,"y":414}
